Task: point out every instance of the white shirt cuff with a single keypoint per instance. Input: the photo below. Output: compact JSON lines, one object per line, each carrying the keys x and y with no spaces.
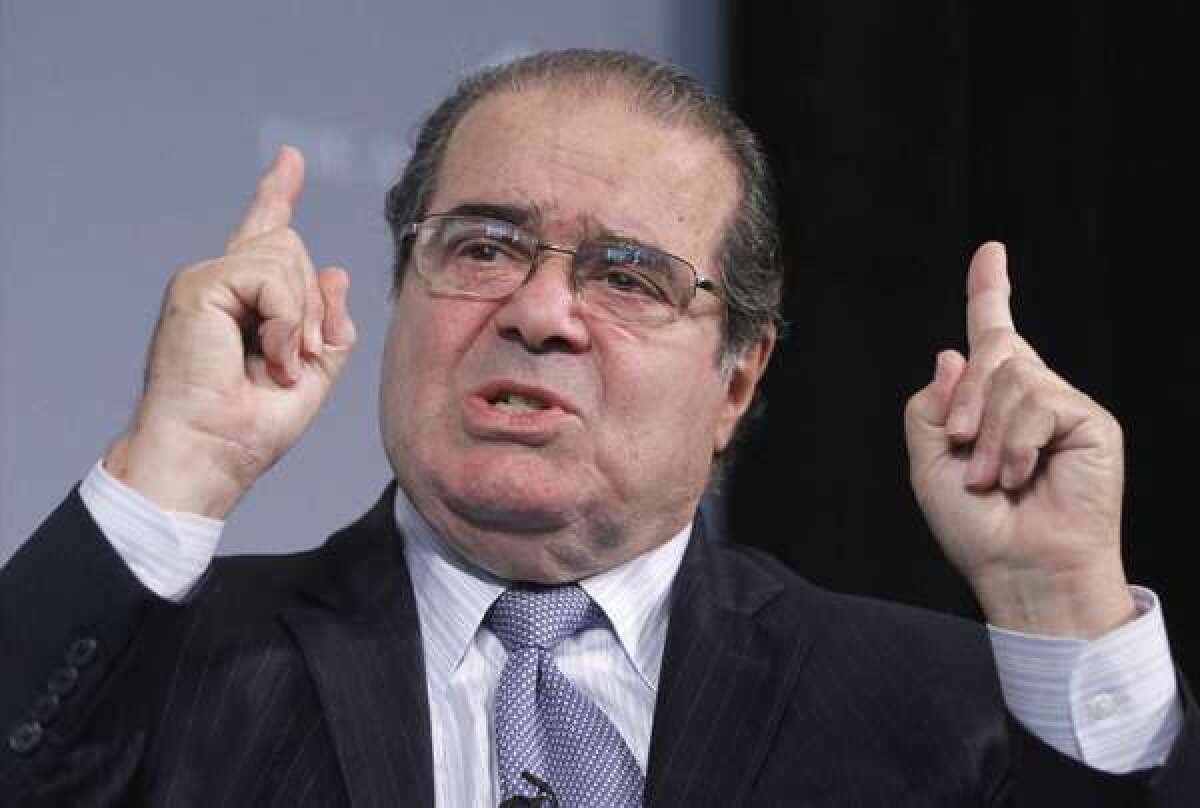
{"x":167,"y":551}
{"x":1111,"y":702}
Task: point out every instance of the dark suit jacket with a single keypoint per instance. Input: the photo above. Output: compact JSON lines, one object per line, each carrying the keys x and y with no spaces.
{"x":298,"y":680}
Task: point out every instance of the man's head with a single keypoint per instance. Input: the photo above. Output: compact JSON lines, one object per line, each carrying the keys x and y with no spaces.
{"x":544,"y":437}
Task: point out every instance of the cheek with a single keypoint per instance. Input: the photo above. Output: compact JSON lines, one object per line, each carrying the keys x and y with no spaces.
{"x":664,"y":416}
{"x":425,"y":345}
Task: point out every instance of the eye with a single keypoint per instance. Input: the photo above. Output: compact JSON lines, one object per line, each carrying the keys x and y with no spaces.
{"x":482,"y":252}
{"x":631,"y":282}
{"x":628,"y":270}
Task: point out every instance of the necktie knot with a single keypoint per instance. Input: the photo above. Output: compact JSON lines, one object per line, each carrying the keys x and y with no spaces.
{"x":541,"y":617}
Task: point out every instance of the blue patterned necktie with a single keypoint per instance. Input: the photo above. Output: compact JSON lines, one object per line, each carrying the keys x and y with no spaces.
{"x":544,"y":725}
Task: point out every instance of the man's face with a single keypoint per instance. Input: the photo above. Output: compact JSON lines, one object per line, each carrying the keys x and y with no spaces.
{"x":617,"y":462}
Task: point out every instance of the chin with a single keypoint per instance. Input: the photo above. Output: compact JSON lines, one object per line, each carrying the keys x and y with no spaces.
{"x":520,"y":513}
{"x":540,"y":559}
{"x":524,"y":518}
{"x":518,"y":490}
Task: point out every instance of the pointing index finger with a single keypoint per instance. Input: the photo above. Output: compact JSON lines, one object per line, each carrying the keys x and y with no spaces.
{"x":988,"y":293}
{"x":275,"y":197}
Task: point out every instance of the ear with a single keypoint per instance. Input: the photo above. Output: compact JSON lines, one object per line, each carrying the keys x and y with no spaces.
{"x":743,"y":381}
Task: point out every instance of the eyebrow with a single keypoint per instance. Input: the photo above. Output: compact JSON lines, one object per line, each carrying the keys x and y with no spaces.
{"x":531,"y":215}
{"x":520,"y":215}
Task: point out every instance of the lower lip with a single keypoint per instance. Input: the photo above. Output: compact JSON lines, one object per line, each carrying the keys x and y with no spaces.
{"x":524,"y":426}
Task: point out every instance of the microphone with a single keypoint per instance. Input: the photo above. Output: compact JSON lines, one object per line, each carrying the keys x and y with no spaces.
{"x":546,"y":797}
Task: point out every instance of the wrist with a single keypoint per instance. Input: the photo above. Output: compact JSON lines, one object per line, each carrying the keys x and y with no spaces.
{"x":177,"y":472}
{"x":1080,"y":604}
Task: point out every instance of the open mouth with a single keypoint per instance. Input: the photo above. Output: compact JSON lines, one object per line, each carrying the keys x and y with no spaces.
{"x":517,"y":402}
{"x":521,"y":405}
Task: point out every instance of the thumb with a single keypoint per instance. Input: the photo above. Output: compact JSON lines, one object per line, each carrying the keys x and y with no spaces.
{"x":275,"y":197}
{"x":926,"y":413}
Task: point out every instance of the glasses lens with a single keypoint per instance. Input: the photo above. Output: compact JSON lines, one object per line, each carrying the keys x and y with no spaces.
{"x":489,"y":259}
{"x":480,"y":258}
{"x":632,"y":282}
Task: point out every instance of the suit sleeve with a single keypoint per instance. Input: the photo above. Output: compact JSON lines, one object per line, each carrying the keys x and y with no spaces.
{"x":69,"y":608}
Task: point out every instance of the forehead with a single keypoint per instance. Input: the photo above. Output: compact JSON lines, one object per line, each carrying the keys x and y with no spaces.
{"x":584,"y":162}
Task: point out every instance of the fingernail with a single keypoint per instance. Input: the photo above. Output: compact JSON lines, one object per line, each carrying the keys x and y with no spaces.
{"x":959,"y":422}
{"x":976,"y":467}
{"x":1008,"y":477}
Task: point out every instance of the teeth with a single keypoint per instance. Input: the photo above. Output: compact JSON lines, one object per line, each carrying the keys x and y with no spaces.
{"x":514,"y":402}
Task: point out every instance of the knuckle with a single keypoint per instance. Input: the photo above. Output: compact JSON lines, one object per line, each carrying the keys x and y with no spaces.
{"x":914,"y":406}
{"x":287,"y":248}
{"x":1112,"y":428}
{"x":273,"y":257}
{"x":184,"y":281}
{"x":991,"y":431}
{"x":965,"y":395}
{"x":991,"y":436}
{"x":178,"y":282}
{"x":1039,"y":399}
{"x":1018,"y":371}
{"x":289,"y":239}
{"x":176,"y":287}
{"x":1001,"y":343}
{"x":1021,"y":456}
{"x":968,"y":386}
{"x":276,"y":266}
{"x":285,"y":293}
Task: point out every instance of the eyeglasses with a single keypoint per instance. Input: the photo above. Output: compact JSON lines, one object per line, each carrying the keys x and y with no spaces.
{"x":479,"y":258}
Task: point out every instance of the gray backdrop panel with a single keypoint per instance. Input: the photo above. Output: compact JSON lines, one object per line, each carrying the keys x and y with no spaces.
{"x":130,"y":138}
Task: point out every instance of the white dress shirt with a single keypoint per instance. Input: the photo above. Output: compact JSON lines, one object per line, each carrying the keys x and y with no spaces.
{"x":1111,"y":702}
{"x":618,"y":669}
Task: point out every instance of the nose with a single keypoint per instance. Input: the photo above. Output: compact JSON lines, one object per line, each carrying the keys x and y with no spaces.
{"x":544,"y":313}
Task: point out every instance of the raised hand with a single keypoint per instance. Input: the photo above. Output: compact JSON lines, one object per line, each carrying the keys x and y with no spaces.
{"x":1020,"y":475}
{"x":246,"y":348}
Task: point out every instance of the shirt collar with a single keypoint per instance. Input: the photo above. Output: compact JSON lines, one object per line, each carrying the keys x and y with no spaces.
{"x":634,"y":596}
{"x":453,"y":596}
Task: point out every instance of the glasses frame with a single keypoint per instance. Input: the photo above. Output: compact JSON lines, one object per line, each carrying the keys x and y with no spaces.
{"x":412,"y":230}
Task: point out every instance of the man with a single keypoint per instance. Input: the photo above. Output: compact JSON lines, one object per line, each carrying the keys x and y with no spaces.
{"x":586,"y":298}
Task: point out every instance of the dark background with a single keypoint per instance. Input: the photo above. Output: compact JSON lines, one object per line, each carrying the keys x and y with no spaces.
{"x":903,"y":135}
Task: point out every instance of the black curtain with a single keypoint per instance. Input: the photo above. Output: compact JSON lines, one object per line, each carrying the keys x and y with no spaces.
{"x":902,"y":135}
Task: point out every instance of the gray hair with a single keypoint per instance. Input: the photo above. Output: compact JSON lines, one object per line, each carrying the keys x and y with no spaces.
{"x":749,"y":253}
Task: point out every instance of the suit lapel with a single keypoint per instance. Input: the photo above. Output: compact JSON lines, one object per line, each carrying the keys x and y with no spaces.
{"x":728,"y":671}
{"x":361,"y":641}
